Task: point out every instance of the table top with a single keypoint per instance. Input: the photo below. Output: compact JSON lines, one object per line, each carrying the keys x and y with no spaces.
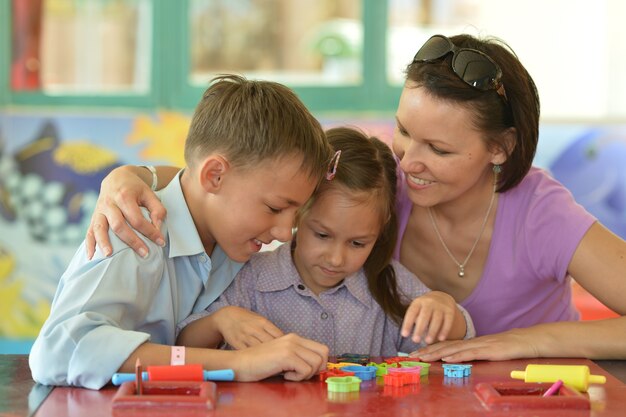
{"x":436,"y":395}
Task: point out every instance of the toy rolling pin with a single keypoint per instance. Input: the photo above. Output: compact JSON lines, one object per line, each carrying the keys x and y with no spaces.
{"x":576,"y":376}
{"x":177,"y":373}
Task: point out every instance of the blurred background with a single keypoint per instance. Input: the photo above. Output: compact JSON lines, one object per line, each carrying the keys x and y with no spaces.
{"x":87,"y":85}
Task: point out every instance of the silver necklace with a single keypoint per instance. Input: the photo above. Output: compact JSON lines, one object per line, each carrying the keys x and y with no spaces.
{"x":469,"y":255}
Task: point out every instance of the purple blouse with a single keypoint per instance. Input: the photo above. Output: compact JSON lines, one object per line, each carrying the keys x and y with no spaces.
{"x":538,"y":227}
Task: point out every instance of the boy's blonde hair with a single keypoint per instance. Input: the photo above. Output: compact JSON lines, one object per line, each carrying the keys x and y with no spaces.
{"x":249,"y":122}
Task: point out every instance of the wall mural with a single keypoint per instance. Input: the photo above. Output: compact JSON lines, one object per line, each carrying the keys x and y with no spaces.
{"x":50,"y":174}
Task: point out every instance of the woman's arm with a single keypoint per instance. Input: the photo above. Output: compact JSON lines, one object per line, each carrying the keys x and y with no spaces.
{"x":599,"y":266}
{"x":598,"y":339}
{"x":122,"y":193}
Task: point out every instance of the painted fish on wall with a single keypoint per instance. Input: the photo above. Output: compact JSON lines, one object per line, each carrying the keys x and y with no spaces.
{"x":50,"y":173}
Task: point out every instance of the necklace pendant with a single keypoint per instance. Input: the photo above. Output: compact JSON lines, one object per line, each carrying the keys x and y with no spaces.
{"x":461,"y":266}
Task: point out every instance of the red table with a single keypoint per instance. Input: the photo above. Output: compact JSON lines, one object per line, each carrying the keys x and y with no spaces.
{"x":435,"y":396}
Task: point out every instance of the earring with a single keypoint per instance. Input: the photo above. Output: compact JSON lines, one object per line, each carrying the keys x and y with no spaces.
{"x":497,"y":168}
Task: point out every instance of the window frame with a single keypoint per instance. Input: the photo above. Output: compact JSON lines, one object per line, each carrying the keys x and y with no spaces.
{"x":5,"y":52}
{"x":169,"y":87}
{"x":147,"y":100}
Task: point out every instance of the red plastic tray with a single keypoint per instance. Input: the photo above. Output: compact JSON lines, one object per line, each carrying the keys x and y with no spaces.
{"x":517,"y":395}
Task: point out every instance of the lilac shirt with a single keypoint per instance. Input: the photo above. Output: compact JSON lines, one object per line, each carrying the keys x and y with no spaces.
{"x":525,"y":282}
{"x":345,"y":318}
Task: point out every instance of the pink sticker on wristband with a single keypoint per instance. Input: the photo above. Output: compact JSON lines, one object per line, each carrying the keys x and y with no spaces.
{"x":178,"y":355}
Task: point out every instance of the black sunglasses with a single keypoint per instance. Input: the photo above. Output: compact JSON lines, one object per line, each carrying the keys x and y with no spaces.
{"x":471,"y":65}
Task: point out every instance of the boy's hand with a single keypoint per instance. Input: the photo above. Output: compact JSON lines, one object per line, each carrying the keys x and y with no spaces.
{"x":122,"y":193}
{"x":429,"y":317}
{"x":242,"y":328}
{"x":298,"y":358}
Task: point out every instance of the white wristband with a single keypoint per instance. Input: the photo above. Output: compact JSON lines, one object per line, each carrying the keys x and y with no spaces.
{"x":178,"y":355}
{"x":155,"y":179}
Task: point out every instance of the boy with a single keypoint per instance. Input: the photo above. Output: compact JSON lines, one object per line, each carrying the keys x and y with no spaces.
{"x":253,"y":155}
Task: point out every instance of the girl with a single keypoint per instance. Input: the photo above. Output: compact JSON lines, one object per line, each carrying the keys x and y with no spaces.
{"x":335,"y":282}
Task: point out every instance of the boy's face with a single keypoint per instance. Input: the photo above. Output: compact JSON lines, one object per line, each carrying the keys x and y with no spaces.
{"x":258,"y":205}
{"x":334,"y":239}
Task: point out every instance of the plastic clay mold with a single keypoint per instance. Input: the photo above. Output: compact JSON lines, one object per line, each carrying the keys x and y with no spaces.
{"x":456,"y":370}
{"x":324,"y":375}
{"x":423,"y":365}
{"x":365,"y":373}
{"x":343,"y":384}
{"x":340,"y":365}
{"x":382,"y":368}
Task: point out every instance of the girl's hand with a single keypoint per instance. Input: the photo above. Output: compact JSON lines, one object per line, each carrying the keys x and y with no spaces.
{"x":429,"y":317}
{"x":242,"y":328}
{"x":122,"y":193}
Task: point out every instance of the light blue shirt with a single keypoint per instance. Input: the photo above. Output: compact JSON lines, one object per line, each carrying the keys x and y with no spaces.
{"x":106,"y":307}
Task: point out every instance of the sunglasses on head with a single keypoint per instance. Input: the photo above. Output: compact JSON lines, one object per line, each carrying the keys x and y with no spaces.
{"x":471,"y":65}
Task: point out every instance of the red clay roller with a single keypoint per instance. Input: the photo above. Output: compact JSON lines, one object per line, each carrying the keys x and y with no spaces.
{"x":176,"y":373}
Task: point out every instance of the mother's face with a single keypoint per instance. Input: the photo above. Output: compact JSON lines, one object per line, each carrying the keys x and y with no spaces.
{"x":441,"y":151}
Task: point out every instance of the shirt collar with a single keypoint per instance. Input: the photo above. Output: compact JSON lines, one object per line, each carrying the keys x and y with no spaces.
{"x":288,"y":276}
{"x":182,"y":235}
{"x":357,"y":286}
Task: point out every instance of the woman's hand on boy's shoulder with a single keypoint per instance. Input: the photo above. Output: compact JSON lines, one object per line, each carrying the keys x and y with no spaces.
{"x":122,"y":194}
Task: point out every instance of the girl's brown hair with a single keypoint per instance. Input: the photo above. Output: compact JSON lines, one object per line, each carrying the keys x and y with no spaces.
{"x":367,"y":166}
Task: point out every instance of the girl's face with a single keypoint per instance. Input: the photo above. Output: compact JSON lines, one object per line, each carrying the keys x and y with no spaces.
{"x":335,"y":238}
{"x":443,"y":155}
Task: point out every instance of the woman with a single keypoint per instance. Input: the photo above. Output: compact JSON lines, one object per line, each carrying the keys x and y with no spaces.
{"x":476,"y":220}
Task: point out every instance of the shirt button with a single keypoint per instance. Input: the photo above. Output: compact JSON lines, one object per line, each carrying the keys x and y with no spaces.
{"x":324,"y":315}
{"x":301,"y":287}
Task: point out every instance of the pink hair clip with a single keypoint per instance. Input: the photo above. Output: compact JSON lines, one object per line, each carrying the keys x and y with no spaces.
{"x":332,"y":166}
